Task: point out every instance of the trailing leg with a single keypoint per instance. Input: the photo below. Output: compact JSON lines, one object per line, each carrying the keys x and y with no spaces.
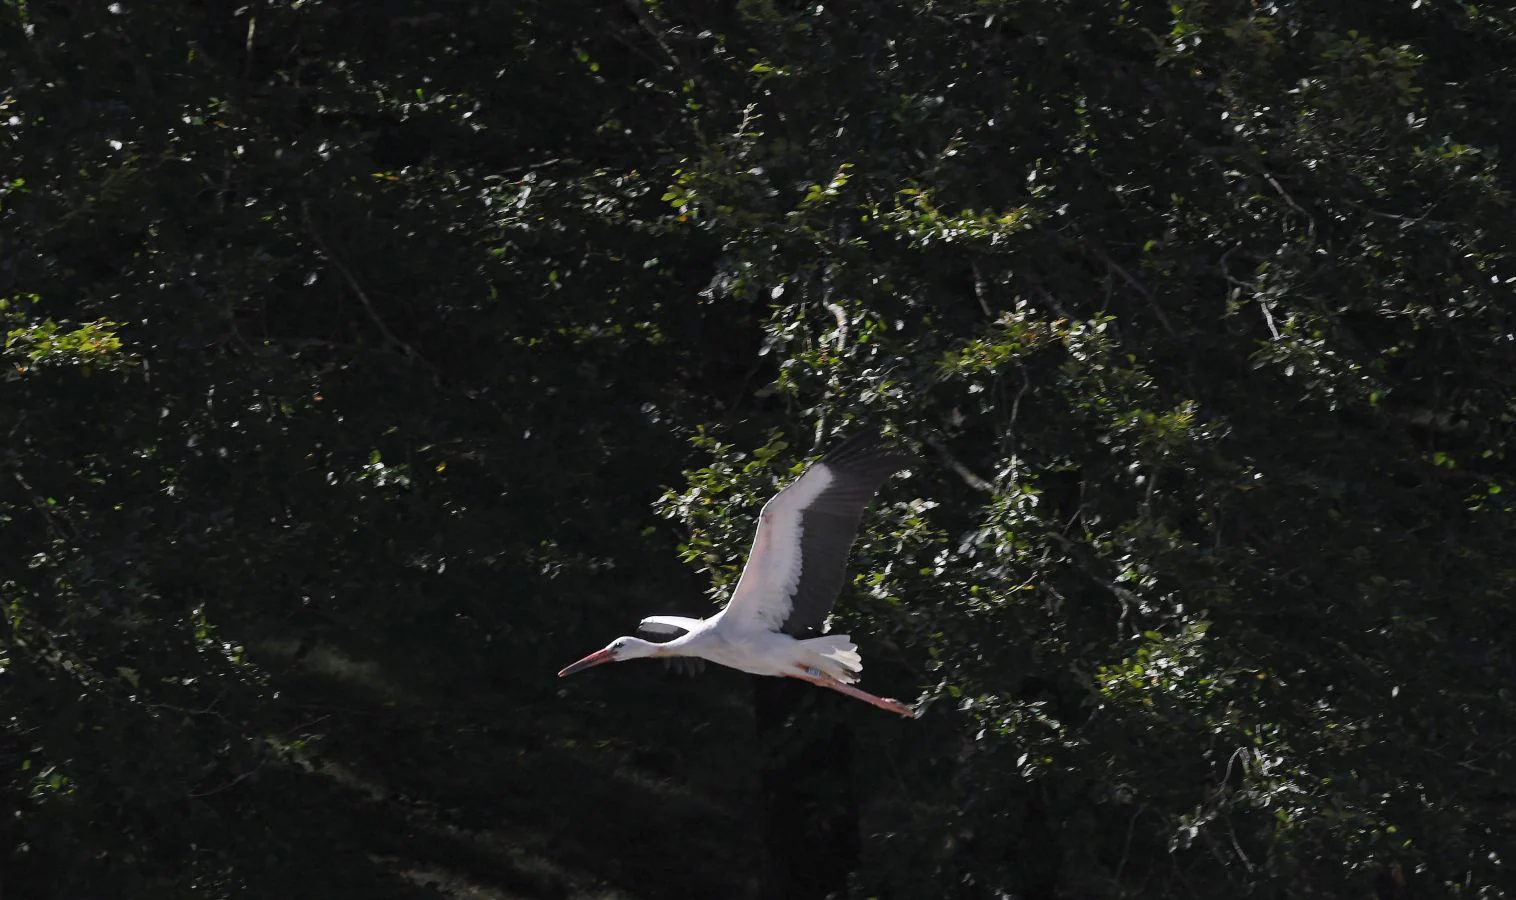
{"x":821,"y":679}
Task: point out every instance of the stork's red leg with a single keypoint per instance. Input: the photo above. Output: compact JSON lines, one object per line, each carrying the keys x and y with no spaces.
{"x":826,"y":681}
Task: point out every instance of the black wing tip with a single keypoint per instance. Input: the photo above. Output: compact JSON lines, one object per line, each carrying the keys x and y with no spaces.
{"x":868,"y":444}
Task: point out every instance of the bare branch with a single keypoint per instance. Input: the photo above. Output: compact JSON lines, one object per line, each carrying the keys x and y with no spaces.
{"x":1310,"y":222}
{"x":1136,"y":285}
{"x":651,"y":26}
{"x":840,"y":315}
{"x":981,"y":290}
{"x":964,"y":472}
{"x":532,"y":167}
{"x":352,"y":282}
{"x":1268,"y":314}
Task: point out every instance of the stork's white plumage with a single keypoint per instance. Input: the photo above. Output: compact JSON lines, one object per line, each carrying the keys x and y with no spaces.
{"x":773,"y":624}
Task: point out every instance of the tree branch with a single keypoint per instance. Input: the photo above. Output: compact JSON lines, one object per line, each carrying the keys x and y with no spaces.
{"x":964,"y":472}
{"x":1138,"y":286}
{"x":352,"y":282}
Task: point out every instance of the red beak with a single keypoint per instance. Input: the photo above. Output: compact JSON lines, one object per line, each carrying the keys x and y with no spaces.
{"x":594,"y":659}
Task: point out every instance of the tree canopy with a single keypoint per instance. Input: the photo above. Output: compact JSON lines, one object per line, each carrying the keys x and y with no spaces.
{"x":366,"y":363}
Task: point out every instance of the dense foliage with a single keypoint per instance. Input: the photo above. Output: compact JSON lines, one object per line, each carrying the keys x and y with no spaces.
{"x":365,"y":363}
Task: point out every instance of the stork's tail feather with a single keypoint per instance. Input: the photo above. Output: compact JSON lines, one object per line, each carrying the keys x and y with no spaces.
{"x":835,"y":655}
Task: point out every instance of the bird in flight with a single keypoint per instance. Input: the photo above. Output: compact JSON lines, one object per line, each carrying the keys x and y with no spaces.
{"x":773,"y":624}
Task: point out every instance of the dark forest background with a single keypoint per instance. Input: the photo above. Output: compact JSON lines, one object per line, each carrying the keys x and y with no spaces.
{"x":365,"y":363}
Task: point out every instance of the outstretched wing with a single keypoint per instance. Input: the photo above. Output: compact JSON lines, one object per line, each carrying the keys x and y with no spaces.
{"x":666,"y":628}
{"x":799,"y":557}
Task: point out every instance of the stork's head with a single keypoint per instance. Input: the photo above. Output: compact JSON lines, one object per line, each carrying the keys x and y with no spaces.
{"x":622,"y":648}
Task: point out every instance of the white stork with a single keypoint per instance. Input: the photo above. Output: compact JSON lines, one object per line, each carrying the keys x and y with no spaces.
{"x":792,"y":578}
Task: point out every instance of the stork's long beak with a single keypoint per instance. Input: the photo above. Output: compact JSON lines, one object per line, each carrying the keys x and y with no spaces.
{"x":594,"y":659}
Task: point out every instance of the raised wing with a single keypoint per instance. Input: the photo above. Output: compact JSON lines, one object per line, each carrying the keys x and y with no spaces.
{"x":799,"y":556}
